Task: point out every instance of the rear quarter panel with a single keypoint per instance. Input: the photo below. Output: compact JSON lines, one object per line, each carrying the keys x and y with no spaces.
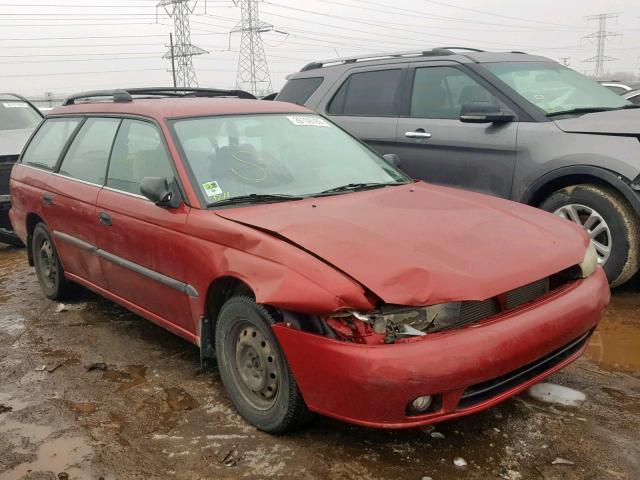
{"x":26,"y":186}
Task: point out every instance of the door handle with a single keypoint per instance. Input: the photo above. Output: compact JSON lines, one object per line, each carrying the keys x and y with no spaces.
{"x":419,"y":133}
{"x":105,"y":219}
{"x":47,"y":199}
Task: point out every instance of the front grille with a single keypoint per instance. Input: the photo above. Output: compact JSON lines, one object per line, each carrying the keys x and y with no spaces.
{"x":526,"y":294}
{"x":484,"y":391}
{"x":472,"y":311}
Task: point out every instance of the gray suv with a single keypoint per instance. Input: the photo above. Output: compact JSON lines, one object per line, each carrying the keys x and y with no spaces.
{"x":514,"y":125}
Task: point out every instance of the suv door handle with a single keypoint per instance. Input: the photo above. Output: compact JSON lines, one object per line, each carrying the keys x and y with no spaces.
{"x":105,"y":219}
{"x":47,"y":199}
{"x":418,"y":133}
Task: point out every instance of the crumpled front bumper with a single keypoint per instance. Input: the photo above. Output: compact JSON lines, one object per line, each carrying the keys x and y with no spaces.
{"x":373,"y":385}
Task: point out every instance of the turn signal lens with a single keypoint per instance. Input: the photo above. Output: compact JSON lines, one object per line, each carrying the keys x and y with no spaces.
{"x":590,"y":262}
{"x":421,"y":404}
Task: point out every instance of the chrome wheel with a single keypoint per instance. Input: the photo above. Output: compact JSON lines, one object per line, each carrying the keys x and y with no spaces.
{"x":48,"y":264}
{"x":255,"y":366}
{"x":594,"y":224}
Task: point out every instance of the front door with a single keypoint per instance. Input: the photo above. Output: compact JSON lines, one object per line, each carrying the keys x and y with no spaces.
{"x":139,"y":241}
{"x":435,"y":146}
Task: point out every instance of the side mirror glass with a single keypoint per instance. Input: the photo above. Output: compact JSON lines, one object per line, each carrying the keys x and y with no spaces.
{"x":484,"y":112}
{"x":392,"y":159}
{"x":160,"y":192}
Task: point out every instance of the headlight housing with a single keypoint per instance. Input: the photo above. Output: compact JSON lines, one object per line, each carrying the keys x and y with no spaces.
{"x":590,"y":262}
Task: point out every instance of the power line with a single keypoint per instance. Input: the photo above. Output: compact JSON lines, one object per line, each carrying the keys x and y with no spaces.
{"x":601,"y":37}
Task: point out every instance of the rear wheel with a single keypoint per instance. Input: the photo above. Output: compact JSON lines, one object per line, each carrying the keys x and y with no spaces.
{"x":608,"y":220}
{"x":48,"y":267}
{"x":254,"y":370}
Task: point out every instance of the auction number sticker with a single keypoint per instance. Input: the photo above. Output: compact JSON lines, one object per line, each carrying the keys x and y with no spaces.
{"x":212,"y":189}
{"x":307,"y":121}
{"x":15,"y":105}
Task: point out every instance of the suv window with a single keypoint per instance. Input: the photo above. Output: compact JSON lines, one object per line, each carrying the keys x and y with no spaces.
{"x":368,"y":94}
{"x":47,"y":145}
{"x":88,"y":155}
{"x":440,"y":92}
{"x":17,"y":115}
{"x":299,"y":90}
{"x":137,"y":153}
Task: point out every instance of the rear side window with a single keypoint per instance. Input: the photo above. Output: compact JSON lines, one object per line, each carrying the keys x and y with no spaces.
{"x":368,"y":94}
{"x":137,"y":153}
{"x":47,"y":145}
{"x":88,"y":155}
{"x":299,"y":90}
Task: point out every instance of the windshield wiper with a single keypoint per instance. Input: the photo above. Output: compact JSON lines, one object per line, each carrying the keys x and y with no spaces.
{"x":256,"y":198}
{"x":580,"y":110}
{"x":354,"y":187}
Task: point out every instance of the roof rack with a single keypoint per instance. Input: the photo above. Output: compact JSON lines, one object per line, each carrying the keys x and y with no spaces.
{"x":440,"y":51}
{"x":126,"y":95}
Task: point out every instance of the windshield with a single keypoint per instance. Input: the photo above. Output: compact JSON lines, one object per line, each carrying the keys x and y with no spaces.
{"x":17,"y":115}
{"x":555,"y":88}
{"x":292,"y":155}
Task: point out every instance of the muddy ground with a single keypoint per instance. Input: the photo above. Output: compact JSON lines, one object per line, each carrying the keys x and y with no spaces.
{"x":153,"y":414}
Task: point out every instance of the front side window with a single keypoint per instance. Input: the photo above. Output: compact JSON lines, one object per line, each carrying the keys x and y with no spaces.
{"x":88,"y":155}
{"x":138,"y":152}
{"x":296,"y":155}
{"x":298,"y":90}
{"x":47,"y":145}
{"x":440,"y":92}
{"x":554,"y":88}
{"x":372,"y":94}
{"x":18,"y":115}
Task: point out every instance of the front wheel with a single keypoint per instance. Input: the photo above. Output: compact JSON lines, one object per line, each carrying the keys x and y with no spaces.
{"x":254,"y":370}
{"x":48,"y":267}
{"x":609,"y":221}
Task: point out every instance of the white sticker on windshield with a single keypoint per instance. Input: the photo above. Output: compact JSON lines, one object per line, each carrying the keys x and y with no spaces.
{"x":15,"y":105}
{"x":212,"y":189}
{"x":307,"y":121}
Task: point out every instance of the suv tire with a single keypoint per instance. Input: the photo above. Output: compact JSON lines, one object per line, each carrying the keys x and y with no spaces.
{"x":48,"y":267}
{"x":610,"y":215}
{"x":254,"y":369}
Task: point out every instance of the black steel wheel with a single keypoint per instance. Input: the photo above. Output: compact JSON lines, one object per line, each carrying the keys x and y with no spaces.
{"x":48,"y":267}
{"x":254,"y":370}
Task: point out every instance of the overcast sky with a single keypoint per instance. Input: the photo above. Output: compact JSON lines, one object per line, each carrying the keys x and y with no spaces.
{"x":69,"y":45}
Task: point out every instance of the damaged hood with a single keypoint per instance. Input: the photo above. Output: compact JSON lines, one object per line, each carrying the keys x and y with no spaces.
{"x":418,"y":244}
{"x":12,"y":141}
{"x":614,"y":122}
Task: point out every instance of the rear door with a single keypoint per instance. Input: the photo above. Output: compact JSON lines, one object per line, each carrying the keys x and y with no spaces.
{"x":140,"y":243}
{"x":367,"y":104}
{"x":70,"y":198}
{"x":435,"y":146}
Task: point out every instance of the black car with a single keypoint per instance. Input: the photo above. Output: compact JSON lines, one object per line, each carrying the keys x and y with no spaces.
{"x":18,"y":119}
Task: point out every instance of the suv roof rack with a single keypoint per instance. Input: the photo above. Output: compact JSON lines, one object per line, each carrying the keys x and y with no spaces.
{"x":126,"y":95}
{"x":379,"y":56}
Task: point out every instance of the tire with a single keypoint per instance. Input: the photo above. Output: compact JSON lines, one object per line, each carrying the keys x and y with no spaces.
{"x":617,"y":226}
{"x":48,"y":267}
{"x":254,"y":369}
{"x":10,"y":238}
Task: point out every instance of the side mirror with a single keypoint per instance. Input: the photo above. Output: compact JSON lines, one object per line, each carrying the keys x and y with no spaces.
{"x":160,"y":192}
{"x":392,"y":159}
{"x":484,"y":112}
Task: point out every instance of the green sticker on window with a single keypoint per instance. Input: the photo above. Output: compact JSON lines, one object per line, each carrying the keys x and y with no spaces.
{"x":212,"y":189}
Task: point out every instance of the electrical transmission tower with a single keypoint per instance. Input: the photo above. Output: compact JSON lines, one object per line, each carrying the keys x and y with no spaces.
{"x":601,"y":37}
{"x":253,"y":71}
{"x":182,"y":51}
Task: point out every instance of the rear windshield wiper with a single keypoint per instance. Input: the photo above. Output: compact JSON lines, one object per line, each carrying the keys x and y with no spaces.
{"x":353,"y":187}
{"x":580,"y":110}
{"x":256,"y":198}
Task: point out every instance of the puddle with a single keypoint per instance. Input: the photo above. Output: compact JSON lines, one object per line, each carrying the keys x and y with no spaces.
{"x":58,"y":455}
{"x":179,"y":399}
{"x":132,"y":375}
{"x":34,"y":433}
{"x":615,"y":345}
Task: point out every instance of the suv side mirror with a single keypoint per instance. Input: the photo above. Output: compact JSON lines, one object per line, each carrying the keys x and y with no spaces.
{"x":484,"y":112}
{"x":160,"y":192}
{"x":392,"y":159}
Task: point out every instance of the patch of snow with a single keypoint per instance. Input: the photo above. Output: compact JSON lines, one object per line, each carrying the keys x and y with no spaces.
{"x":562,"y":461}
{"x":551,"y":393}
{"x":459,"y":462}
{"x":437,"y":435}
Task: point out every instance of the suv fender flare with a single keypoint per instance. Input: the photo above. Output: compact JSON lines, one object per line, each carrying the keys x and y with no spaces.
{"x":552,"y":181}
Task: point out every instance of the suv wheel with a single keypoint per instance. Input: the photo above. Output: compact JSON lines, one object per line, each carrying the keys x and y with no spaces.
{"x":609,"y":221}
{"x":48,"y":267}
{"x":254,"y":370}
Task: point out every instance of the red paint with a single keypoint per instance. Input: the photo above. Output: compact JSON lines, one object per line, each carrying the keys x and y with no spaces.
{"x":417,"y":244}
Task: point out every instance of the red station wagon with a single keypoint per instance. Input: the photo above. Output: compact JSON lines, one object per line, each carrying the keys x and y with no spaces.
{"x":321,"y":278}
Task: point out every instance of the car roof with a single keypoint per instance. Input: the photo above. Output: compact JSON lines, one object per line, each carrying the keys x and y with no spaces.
{"x":172,"y":107}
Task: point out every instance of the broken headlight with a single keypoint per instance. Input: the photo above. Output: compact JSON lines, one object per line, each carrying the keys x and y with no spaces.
{"x":419,"y":321}
{"x":590,"y":261}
